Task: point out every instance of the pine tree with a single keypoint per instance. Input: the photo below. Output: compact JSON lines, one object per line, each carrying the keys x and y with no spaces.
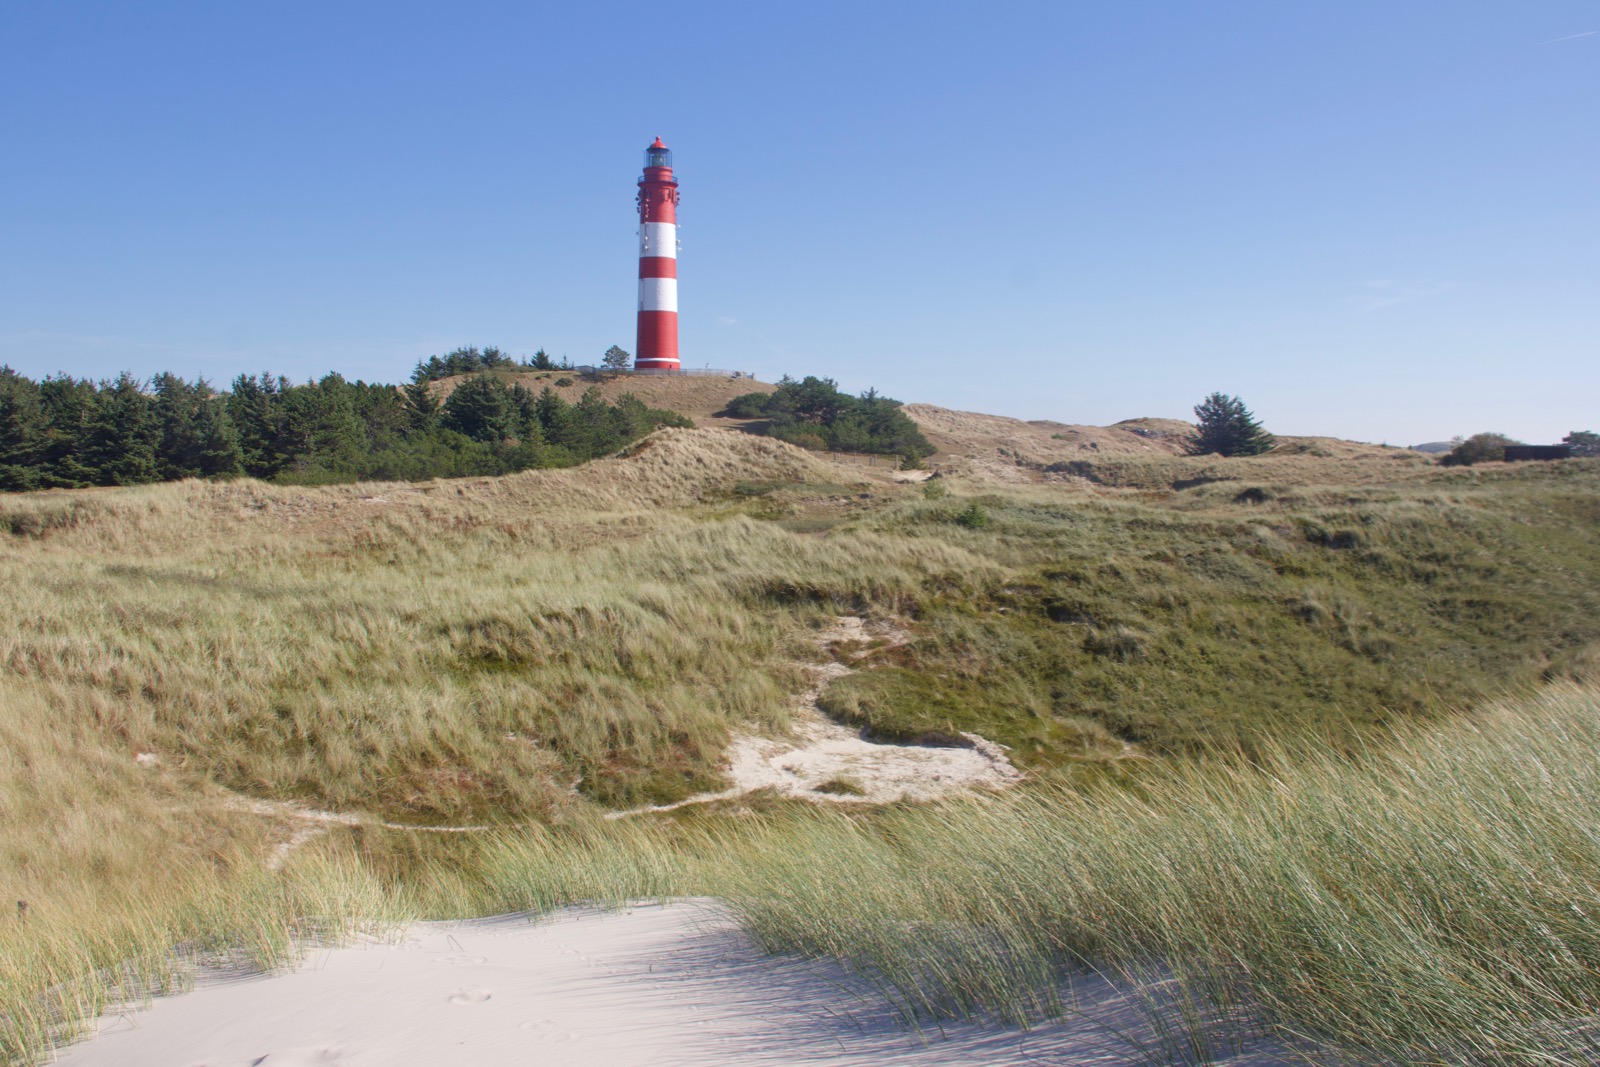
{"x":22,"y":428}
{"x":481,"y":408}
{"x":67,"y":404}
{"x":1225,"y":427}
{"x":216,"y":443}
{"x":176,"y":404}
{"x":122,"y":434}
{"x":255,"y":407}
{"x":422,"y":407}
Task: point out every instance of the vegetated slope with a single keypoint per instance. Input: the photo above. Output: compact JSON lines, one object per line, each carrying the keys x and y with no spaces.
{"x":1232,"y":613}
{"x":456,"y":650}
{"x":699,"y":397}
{"x":471,"y":649}
{"x":1040,"y":450}
{"x":532,"y":648}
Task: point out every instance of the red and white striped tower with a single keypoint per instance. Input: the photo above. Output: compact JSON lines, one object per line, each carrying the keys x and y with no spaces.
{"x":657,"y":347}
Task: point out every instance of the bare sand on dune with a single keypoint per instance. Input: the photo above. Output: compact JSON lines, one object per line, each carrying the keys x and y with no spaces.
{"x":661,"y":985}
{"x":827,"y":763}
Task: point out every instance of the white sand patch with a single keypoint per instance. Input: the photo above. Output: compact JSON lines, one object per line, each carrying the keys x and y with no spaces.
{"x":828,"y":763}
{"x":664,"y":986}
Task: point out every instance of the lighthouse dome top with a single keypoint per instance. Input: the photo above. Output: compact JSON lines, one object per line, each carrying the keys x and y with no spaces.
{"x":657,"y":155}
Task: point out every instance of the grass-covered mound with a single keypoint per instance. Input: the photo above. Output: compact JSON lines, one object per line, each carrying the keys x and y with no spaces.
{"x":534,"y":649}
{"x":1195,"y":620}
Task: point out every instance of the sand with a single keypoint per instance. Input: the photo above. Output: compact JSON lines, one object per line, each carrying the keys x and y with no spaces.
{"x":660,"y":985}
{"x":1041,"y":441}
{"x":825,"y":762}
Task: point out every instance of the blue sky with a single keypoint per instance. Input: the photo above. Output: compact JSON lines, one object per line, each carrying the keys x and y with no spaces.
{"x":1376,"y":220}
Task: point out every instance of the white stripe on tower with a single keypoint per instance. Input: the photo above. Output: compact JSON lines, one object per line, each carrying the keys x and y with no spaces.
{"x":658,"y":239}
{"x":658,"y":294}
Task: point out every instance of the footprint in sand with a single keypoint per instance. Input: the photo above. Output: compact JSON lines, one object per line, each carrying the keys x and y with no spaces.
{"x":298,"y":1057}
{"x":470,"y":996}
{"x":547,"y":1031}
{"x":461,"y":961}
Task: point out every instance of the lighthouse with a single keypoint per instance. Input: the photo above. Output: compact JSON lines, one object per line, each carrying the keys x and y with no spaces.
{"x":657,"y":347}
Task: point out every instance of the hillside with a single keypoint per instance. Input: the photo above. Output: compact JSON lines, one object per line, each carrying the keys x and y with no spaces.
{"x":991,"y":446}
{"x":236,"y":711}
{"x":699,"y":397}
{"x":969,"y":434}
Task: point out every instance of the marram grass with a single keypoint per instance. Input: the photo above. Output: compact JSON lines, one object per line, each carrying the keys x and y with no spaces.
{"x":1432,"y":900}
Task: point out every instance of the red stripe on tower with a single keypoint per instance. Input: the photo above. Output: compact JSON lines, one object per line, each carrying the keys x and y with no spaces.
{"x":657,"y":346}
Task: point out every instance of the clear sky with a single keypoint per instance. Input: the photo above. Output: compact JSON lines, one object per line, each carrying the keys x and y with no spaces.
{"x":1375,"y":219}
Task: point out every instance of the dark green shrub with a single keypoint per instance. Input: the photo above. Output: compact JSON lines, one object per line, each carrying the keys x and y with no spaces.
{"x":1479,"y":448}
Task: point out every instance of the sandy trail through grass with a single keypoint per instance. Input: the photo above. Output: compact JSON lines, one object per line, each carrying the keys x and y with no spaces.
{"x":311,"y":823}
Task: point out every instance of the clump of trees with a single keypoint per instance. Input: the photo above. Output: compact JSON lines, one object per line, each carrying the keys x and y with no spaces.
{"x":1479,"y":448}
{"x":471,"y":360}
{"x":65,"y":432}
{"x":814,"y":414}
{"x":1225,"y":427}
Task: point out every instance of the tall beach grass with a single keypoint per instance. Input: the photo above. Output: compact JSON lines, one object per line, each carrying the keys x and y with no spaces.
{"x":1431,"y":900}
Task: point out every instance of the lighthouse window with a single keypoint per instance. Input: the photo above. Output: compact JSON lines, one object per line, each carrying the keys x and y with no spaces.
{"x":657,"y":157}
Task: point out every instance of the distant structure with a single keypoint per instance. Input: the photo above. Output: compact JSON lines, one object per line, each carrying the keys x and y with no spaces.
{"x":657,"y":346}
{"x":1527,"y":453}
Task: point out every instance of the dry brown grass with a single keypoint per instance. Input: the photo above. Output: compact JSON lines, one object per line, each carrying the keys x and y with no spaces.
{"x":968,"y":433}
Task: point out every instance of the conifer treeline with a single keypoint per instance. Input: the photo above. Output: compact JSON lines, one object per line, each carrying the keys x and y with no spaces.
{"x":72,"y":432}
{"x":471,"y":359}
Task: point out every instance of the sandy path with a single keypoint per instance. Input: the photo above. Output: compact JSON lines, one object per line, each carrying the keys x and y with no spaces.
{"x":822,"y":752}
{"x":654,"y":985}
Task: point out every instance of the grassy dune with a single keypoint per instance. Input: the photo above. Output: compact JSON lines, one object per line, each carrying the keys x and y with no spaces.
{"x":534,"y":650}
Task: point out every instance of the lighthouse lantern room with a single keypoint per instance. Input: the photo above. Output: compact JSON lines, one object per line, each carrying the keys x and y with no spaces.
{"x":657,"y":346}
